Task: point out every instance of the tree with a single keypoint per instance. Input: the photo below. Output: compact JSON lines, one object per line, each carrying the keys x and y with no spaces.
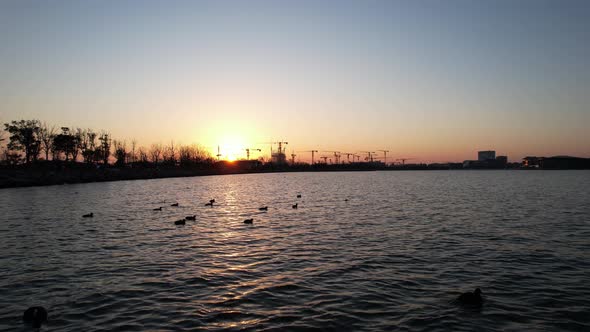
{"x":142,"y":155}
{"x":104,"y":151}
{"x":155,"y":152}
{"x":67,"y":142}
{"x":24,"y":136}
{"x":46,"y":136}
{"x":88,"y":146}
{"x":133,"y":154}
{"x":120,"y":152}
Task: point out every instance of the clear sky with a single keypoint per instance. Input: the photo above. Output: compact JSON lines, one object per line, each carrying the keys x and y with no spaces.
{"x":431,"y":80}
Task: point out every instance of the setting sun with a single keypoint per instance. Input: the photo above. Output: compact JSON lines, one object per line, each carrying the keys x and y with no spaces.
{"x":231,"y":148}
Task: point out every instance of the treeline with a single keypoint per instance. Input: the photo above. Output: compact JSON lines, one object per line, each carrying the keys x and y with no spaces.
{"x":30,"y":141}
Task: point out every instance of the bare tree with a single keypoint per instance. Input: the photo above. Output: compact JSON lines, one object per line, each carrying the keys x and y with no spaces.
{"x":142,"y":155}
{"x":120,"y":152}
{"x":88,"y":145}
{"x":46,"y":136}
{"x":104,"y":150}
{"x":133,"y":155}
{"x":155,"y":152}
{"x":169,"y":154}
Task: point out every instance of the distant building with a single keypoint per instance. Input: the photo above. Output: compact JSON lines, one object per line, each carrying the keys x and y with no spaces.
{"x":501,"y":161}
{"x":486,"y":155}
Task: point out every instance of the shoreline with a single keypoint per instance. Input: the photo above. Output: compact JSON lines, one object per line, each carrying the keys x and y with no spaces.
{"x":39,"y":177}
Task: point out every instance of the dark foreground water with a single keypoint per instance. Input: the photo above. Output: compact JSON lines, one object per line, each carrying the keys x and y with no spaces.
{"x":392,"y":257}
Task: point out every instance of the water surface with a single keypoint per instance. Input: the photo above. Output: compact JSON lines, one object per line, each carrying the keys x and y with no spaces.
{"x":365,"y":251}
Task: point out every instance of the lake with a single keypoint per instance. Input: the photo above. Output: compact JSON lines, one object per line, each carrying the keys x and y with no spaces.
{"x":364,"y":251}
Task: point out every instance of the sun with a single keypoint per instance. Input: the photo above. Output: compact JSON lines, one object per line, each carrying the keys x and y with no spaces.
{"x":232,"y":148}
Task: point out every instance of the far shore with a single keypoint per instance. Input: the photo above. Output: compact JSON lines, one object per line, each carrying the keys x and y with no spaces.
{"x":43,"y":176}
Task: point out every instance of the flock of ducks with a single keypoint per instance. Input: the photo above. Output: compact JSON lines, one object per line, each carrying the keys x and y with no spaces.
{"x":210,"y":203}
{"x":36,"y":316}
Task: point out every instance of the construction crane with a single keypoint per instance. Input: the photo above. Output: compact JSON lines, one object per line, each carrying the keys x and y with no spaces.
{"x":404,"y":160}
{"x":384,"y":155}
{"x":325,"y":159}
{"x":369,"y":155}
{"x":312,"y":155}
{"x":248,"y":152}
{"x":336,"y":156}
{"x":348,"y":156}
{"x":293,"y":158}
{"x":218,"y":153}
{"x":280,"y":155}
{"x":358,"y":157}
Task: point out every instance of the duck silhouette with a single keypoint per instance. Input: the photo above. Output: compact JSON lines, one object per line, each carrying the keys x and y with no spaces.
{"x":180,"y":222}
{"x":193,"y":217}
{"x":174,"y":204}
{"x":299,"y":196}
{"x":35,"y":316}
{"x":158,"y":209}
{"x":471,"y":298}
{"x":249,"y":221}
{"x":209,"y":204}
{"x":264,"y":208}
{"x":295,"y":205}
{"x":89,"y":215}
{"x":211,"y":201}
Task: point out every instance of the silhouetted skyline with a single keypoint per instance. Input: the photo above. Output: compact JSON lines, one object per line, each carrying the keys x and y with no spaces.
{"x":431,"y":80}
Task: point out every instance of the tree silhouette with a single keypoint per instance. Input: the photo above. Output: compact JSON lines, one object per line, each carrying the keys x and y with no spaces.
{"x":46,"y":136}
{"x":24,"y":136}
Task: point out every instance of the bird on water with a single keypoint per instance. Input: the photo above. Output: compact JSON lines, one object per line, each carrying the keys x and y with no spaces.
{"x":193,"y":217}
{"x":180,"y":222}
{"x":158,"y":209}
{"x":299,"y":196}
{"x":89,"y":215}
{"x":35,"y":316}
{"x":295,"y":205}
{"x":249,"y":221}
{"x":174,"y":204}
{"x":471,"y":298}
{"x":264,"y":208}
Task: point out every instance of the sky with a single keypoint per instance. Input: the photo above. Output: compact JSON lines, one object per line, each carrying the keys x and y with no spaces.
{"x":435,"y":81}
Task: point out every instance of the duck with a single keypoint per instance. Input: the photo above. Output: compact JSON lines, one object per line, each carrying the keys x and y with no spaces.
{"x":89,"y":215}
{"x":193,"y":217}
{"x":174,"y":204}
{"x":299,"y":196}
{"x":209,"y":204}
{"x":158,"y":209}
{"x":295,"y":205}
{"x":249,"y":221}
{"x":211,"y":201}
{"x":180,"y":222}
{"x":264,"y":208}
{"x":35,"y":316}
{"x":471,"y":298}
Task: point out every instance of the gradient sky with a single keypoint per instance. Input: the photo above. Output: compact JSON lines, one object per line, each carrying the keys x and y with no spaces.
{"x":431,"y":80}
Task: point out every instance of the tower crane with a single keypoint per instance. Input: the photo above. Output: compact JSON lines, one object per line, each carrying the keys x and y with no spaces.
{"x":369,"y":155}
{"x":248,"y":152}
{"x":325,"y":159}
{"x":404,"y":160}
{"x":336,"y":156}
{"x":348,"y":156}
{"x":384,"y":155}
{"x":312,"y":155}
{"x":293,"y":158}
{"x":218,"y":153}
